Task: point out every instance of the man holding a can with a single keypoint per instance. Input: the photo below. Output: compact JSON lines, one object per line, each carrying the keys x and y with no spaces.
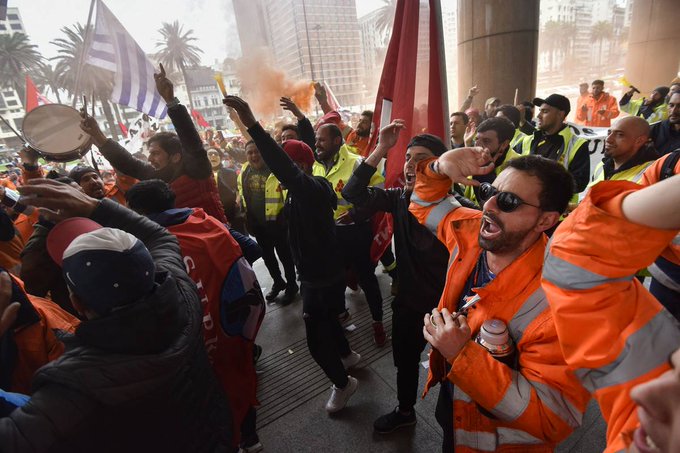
{"x":498,"y":359}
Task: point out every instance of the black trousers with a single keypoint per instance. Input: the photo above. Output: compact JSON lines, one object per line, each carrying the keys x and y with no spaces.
{"x":355,"y":245}
{"x":444,"y":415}
{"x":273,"y":237}
{"x":325,"y":338}
{"x":407,"y":345}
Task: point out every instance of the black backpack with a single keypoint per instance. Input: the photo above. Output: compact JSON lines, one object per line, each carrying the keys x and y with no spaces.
{"x":668,"y":167}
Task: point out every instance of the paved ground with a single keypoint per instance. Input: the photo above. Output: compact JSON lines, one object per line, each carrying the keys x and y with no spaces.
{"x":293,"y":391}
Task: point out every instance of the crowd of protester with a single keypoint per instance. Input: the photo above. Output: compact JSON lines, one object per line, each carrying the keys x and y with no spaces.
{"x":129,"y":309}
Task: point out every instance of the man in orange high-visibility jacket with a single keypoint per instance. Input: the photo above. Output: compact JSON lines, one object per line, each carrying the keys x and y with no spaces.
{"x":611,"y":329}
{"x":484,"y":405}
{"x":231,"y":298}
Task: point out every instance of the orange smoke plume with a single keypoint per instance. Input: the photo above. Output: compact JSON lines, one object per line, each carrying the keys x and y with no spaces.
{"x":262,"y":85}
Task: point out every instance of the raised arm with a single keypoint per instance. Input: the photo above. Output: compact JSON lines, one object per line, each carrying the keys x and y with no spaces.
{"x":121,"y":160}
{"x":194,"y":156}
{"x":305,"y":128}
{"x":357,"y":190}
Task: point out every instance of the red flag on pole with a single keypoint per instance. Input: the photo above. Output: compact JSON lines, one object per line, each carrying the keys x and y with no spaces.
{"x":412,"y":88}
{"x":33,"y":97}
{"x":200,"y":120}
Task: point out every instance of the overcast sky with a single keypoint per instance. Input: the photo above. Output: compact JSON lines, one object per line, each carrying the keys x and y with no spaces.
{"x":212,"y":21}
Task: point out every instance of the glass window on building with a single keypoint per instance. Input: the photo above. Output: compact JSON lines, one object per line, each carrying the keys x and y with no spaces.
{"x":12,"y":17}
{"x":2,"y":27}
{"x":15,"y":26}
{"x":12,"y":102}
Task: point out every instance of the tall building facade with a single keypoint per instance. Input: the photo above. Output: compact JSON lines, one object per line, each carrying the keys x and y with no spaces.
{"x":11,"y":106}
{"x":310,"y":40}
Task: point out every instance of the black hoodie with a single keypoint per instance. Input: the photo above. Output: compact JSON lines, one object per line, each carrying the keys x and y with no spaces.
{"x":136,"y":380}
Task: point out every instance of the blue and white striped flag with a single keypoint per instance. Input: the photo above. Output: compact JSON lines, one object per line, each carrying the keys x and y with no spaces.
{"x":115,"y":50}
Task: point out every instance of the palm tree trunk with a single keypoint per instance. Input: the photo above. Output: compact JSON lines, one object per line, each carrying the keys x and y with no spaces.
{"x":56,"y":92}
{"x":113,"y":126}
{"x":186,"y":83}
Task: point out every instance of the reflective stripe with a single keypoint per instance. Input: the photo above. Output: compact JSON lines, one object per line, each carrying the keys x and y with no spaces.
{"x":535,"y":304}
{"x":555,"y":401}
{"x":663,"y":278}
{"x":419,"y":201}
{"x":380,"y":185}
{"x":638,"y":176}
{"x":568,"y":276}
{"x":437,"y":214}
{"x":273,"y":200}
{"x":485,"y":441}
{"x":644,"y":351}
{"x":460,"y":395}
{"x":598,"y":172}
{"x":516,"y":399}
{"x":452,"y":258}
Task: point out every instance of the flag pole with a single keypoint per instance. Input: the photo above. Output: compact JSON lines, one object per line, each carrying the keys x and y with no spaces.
{"x":79,"y":70}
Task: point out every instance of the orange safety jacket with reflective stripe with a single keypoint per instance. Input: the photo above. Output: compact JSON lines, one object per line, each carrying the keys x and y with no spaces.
{"x":612,"y":331}
{"x":212,"y":256}
{"x":536,"y":406}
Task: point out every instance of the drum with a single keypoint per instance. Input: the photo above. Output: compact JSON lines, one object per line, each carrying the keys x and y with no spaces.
{"x":53,"y":130}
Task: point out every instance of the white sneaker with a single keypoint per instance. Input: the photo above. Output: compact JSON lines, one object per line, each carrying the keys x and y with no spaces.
{"x":339,"y":397}
{"x":351,"y":360}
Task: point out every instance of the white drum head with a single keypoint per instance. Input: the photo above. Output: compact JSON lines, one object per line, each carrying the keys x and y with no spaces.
{"x":54,"y":130}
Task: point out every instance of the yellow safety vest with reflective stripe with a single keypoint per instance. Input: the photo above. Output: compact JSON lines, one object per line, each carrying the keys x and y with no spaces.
{"x":633,"y":174}
{"x":274,"y":195}
{"x":633,"y":108}
{"x":340,"y":173}
{"x":518,"y":137}
{"x":572,"y":143}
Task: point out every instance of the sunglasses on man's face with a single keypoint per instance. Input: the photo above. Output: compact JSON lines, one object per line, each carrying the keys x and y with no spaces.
{"x":506,"y":201}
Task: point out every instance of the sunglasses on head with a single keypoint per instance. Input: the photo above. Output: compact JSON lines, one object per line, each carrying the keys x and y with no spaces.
{"x":507,"y":201}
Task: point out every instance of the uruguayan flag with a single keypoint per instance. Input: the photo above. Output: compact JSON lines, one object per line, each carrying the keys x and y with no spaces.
{"x":114,"y":49}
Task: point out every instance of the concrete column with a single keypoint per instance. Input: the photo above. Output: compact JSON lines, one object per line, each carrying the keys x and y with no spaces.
{"x":497,"y":49}
{"x":653,"y":57}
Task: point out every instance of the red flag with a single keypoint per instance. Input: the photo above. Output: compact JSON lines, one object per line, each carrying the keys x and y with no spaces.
{"x":415,"y":84}
{"x":33,"y":97}
{"x":200,"y":120}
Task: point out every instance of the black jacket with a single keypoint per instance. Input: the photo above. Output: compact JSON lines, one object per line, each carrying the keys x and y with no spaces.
{"x":421,"y":258}
{"x":194,"y":164}
{"x":666,"y":139}
{"x":136,"y":380}
{"x":309,"y":211}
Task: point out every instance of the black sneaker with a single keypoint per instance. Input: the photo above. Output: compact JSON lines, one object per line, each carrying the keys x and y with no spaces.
{"x":276,"y":289}
{"x":393,"y":421}
{"x":289,"y":295}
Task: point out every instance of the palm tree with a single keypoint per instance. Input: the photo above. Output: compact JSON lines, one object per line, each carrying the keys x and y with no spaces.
{"x":176,"y":51}
{"x":17,"y":57}
{"x":46,"y":76}
{"x":92,"y":79}
{"x":600,"y":32}
{"x":385,"y":20}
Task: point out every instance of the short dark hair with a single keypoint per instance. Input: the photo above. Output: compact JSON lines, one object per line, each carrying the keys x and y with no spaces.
{"x":466,"y":118}
{"x":504,"y":129}
{"x":558,"y":184}
{"x":290,"y":127}
{"x":249,"y":142}
{"x":334,"y":130}
{"x":64,"y":179}
{"x":168,"y":141}
{"x":598,"y":82}
{"x":510,"y":112}
{"x":150,"y":197}
{"x":368,"y":113}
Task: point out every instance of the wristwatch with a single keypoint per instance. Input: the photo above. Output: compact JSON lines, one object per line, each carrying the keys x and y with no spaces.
{"x":173,"y":103}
